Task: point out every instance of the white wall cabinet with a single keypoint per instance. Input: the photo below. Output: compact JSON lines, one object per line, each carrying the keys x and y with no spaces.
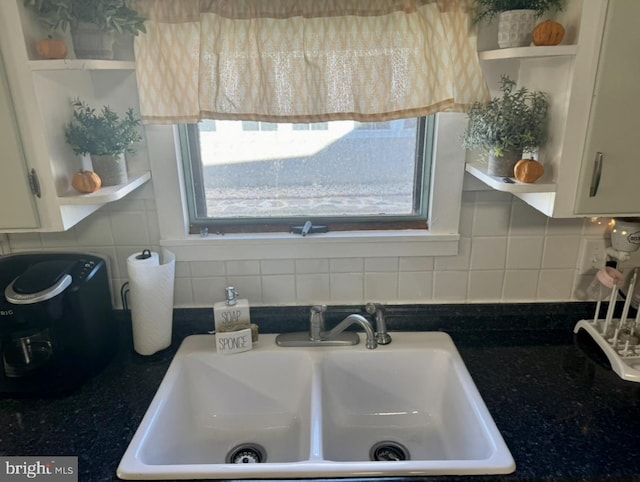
{"x":40,"y":93}
{"x":21,"y":211}
{"x":592,"y":82}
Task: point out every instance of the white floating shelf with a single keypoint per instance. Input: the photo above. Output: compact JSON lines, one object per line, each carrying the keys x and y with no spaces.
{"x":528,"y":52}
{"x":480,"y":171}
{"x":82,"y":64}
{"x":105,"y":194}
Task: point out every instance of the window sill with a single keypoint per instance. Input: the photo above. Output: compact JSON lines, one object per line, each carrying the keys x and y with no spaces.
{"x":343,"y":244}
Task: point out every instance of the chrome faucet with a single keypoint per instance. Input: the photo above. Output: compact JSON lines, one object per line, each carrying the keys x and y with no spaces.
{"x":318,"y":336}
{"x":346,"y":323}
{"x":382,"y":337}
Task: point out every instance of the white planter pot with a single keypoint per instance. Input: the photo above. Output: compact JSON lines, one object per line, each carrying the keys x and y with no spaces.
{"x":515,"y":28}
{"x":90,"y":42}
{"x":111,"y":169}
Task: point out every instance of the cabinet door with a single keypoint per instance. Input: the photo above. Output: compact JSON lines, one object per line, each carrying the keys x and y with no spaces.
{"x":614,"y":126}
{"x":17,"y":206}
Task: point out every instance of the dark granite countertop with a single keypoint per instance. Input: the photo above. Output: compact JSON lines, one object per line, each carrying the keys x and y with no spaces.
{"x":562,"y":416}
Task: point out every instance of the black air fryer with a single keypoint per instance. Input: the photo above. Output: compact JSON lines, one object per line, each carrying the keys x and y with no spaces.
{"x":56,"y":322}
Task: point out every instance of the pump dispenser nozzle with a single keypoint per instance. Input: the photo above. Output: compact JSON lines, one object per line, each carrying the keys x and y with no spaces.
{"x":232,"y":296}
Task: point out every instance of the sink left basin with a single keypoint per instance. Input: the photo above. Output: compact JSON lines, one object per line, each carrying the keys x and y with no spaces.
{"x":212,"y":408}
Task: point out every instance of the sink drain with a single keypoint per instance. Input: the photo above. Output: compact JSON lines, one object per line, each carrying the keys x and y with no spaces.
{"x":389,"y":451}
{"x":248,"y":453}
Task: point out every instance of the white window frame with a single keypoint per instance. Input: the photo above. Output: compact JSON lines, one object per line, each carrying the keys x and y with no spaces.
{"x":440,"y":239}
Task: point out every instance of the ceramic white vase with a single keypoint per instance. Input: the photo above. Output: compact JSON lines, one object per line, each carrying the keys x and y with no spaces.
{"x":515,"y":28}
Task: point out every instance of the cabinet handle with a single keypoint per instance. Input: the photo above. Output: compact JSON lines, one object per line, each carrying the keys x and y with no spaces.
{"x":597,"y":173}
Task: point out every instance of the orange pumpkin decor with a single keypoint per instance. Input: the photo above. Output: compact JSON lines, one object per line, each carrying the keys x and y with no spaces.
{"x":52,"y":48}
{"x":86,"y":181}
{"x":548,"y":33}
{"x":528,"y":170}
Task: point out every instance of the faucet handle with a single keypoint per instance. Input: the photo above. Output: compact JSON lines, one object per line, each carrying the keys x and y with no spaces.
{"x":382,"y":337}
{"x":318,"y":309}
{"x":316,"y":323}
{"x":371,"y":308}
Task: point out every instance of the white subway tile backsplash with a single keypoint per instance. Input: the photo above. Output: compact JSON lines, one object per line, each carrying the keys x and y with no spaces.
{"x":183,"y":293}
{"x":415,"y":287}
{"x":485,"y":286}
{"x":277,"y":266}
{"x":491,"y":219}
{"x":493,"y":196}
{"x":450,"y":286}
{"x":560,"y":227}
{"x":249,"y":287}
{"x":381,"y":264}
{"x":458,"y":262}
{"x":507,"y":252}
{"x":129,"y":227}
{"x":207,"y":291}
{"x":416,"y":263}
{"x":381,"y":286}
{"x":279,"y":289}
{"x":556,"y":284}
{"x":526,"y":221}
{"x":65,"y":239}
{"x":466,"y":219}
{"x":207,"y":269}
{"x":346,"y":265}
{"x":313,"y":288}
{"x":520,"y":285}
{"x":25,"y":241}
{"x":122,"y":253}
{"x":524,"y":252}
{"x":346,"y":287}
{"x":312,"y":266}
{"x":560,"y":252}
{"x":183,"y":269}
{"x":242,"y":267}
{"x":597,"y":227}
{"x":95,"y":230}
{"x":488,"y":253}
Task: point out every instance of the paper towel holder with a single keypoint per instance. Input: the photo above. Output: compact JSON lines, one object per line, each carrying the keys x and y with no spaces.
{"x":146,"y":253}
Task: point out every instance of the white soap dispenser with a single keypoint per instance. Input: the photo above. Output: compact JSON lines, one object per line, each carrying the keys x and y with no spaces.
{"x":231,"y":314}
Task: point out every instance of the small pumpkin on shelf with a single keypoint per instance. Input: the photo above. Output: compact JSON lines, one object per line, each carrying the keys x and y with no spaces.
{"x":548,"y":33}
{"x":528,"y":170}
{"x":86,"y":181}
{"x":52,"y":48}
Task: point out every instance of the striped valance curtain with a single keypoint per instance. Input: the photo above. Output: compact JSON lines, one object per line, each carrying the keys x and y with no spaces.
{"x":305,"y":60}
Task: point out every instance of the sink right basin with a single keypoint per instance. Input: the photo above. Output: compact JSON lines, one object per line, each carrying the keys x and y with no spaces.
{"x":399,"y":405}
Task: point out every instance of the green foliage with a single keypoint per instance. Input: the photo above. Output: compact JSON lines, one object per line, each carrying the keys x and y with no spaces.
{"x":488,"y":9}
{"x":109,"y":15}
{"x":514,"y":121}
{"x":103,"y":133}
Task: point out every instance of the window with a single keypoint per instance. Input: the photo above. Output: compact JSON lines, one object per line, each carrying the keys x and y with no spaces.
{"x":246,"y":176}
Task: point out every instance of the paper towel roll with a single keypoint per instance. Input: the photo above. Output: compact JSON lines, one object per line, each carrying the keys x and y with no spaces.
{"x":151,"y":300}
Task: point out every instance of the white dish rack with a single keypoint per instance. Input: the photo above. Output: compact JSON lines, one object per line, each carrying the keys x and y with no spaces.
{"x":618,"y":344}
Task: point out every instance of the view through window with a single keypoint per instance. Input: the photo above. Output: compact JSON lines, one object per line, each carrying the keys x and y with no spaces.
{"x":249,"y":171}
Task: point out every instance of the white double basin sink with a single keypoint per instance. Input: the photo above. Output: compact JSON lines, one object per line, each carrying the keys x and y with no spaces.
{"x":408,"y":408}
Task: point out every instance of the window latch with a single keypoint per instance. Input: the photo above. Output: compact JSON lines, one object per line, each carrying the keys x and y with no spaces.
{"x":309,"y":228}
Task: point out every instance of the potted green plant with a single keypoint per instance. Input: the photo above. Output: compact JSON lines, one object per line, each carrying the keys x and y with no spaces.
{"x":93,"y":23}
{"x":105,"y":136}
{"x":516,"y":18}
{"x":507,"y":125}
